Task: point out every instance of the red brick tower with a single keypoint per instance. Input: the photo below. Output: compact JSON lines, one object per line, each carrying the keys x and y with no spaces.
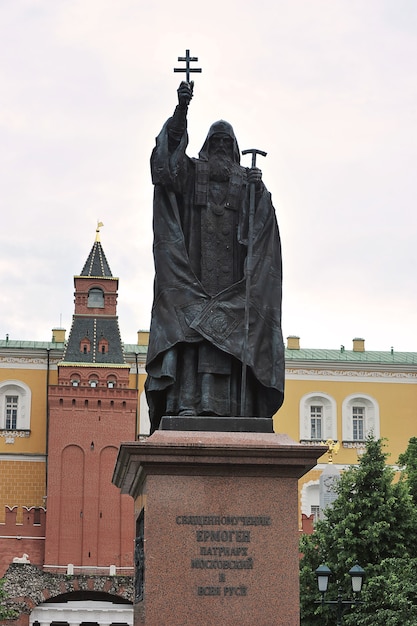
{"x":91,"y":411}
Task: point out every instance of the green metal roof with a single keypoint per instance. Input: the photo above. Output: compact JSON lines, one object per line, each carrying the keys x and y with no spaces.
{"x":35,"y":345}
{"x":342,"y":356}
{"x":59,"y":345}
{"x":134,"y":347}
{"x":368,"y":356}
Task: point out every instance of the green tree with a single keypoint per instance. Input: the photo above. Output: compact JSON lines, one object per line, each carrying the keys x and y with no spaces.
{"x":390,"y":595}
{"x":373,"y":522}
{"x":408,"y":460}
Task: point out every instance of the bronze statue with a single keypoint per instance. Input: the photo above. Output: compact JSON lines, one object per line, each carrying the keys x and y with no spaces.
{"x":197,"y":351}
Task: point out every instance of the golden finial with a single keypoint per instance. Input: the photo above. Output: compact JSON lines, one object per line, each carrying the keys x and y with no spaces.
{"x":99,"y":225}
{"x":333,"y":449}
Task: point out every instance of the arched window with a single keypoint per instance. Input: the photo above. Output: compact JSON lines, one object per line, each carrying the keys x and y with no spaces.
{"x":111,"y":382}
{"x":310,"y":499}
{"x":360,"y":418}
{"x":95,"y":298}
{"x":318,"y":417}
{"x":93,"y":381}
{"x":15,"y":405}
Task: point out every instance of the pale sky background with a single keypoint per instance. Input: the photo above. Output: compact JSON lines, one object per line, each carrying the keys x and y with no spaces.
{"x":327,"y":87}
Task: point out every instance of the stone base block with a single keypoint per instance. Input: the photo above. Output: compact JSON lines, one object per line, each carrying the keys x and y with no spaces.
{"x":217,"y":539}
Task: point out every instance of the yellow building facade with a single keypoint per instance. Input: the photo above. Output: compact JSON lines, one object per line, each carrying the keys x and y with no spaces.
{"x":345,"y":396}
{"x":342,"y":395}
{"x":27,"y":368}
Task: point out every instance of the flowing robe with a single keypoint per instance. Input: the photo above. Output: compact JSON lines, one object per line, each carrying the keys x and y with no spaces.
{"x":196,"y":344}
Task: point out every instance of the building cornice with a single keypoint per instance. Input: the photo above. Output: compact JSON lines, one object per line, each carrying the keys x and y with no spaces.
{"x":98,"y":365}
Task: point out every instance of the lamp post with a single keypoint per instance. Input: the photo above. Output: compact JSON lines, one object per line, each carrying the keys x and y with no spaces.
{"x":356,"y":573}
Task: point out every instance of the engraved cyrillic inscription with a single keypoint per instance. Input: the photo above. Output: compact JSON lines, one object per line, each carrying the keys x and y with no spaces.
{"x":224,"y":546}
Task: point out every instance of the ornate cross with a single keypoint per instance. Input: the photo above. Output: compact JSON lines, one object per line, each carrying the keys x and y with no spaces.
{"x":187,"y":69}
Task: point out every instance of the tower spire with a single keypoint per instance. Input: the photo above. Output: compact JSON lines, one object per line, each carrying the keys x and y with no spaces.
{"x":99,"y":225}
{"x":96,"y":264}
{"x":95,"y":335}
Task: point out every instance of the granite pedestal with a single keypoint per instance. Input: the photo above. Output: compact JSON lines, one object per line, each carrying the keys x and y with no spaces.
{"x":217,"y":530}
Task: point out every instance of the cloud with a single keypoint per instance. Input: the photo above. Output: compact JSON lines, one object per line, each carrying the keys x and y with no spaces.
{"x":326,"y":88}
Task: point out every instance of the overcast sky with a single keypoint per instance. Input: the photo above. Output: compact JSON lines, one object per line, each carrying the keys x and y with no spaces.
{"x":328,"y":88}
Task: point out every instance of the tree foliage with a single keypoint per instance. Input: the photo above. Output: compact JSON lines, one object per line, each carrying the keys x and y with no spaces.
{"x":373,"y":522}
{"x":408,"y":460}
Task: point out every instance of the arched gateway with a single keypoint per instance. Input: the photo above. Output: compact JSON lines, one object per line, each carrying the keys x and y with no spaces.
{"x":45,"y":599}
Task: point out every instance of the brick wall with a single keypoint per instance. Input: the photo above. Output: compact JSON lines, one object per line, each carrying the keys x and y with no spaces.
{"x":89,"y":523}
{"x":307,"y":524}
{"x":24,"y":537}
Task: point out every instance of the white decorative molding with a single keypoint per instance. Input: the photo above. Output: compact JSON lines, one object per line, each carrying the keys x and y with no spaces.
{"x":24,"y":363}
{"x":310,"y":496}
{"x":380,"y":376}
{"x":313,"y":442}
{"x":141,"y":368}
{"x":14,"y":433}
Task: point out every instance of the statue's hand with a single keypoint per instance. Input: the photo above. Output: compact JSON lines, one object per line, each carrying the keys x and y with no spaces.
{"x":254,"y":175}
{"x":185,"y":93}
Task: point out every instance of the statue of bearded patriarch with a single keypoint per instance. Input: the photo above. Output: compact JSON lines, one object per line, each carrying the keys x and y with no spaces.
{"x":196,"y":348}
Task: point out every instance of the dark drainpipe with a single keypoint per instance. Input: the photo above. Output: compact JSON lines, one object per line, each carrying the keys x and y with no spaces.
{"x":48,"y":351}
{"x":137,"y":399}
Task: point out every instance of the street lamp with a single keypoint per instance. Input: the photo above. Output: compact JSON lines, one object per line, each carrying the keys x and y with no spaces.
{"x":356,"y":573}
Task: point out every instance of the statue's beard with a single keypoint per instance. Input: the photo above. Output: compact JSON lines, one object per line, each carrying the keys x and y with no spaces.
{"x":220,"y":166}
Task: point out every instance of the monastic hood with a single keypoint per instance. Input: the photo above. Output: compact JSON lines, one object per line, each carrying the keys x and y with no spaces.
{"x":220,"y":128}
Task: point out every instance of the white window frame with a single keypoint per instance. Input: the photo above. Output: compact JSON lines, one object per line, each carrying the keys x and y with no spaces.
{"x":371,"y":416}
{"x":329,"y":416}
{"x":24,"y":400}
{"x":317,"y":416}
{"x":315,"y":510}
{"x":12,"y":411}
{"x":358,"y":422}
